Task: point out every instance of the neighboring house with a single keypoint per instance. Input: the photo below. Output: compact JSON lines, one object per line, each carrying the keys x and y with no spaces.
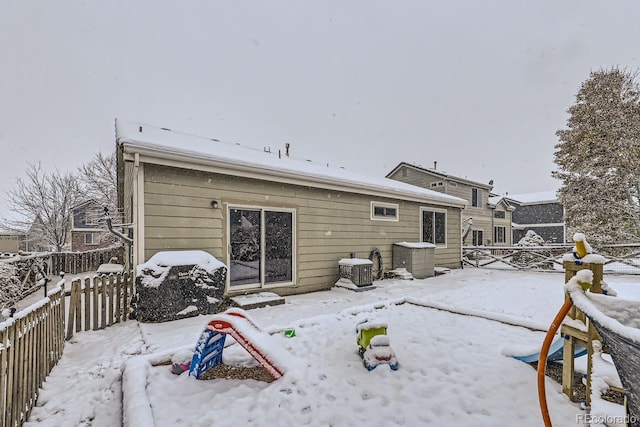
{"x":88,"y":231}
{"x":541,"y":212}
{"x":12,"y":242}
{"x":276,"y":222}
{"x":484,"y":221}
{"x":35,"y":238}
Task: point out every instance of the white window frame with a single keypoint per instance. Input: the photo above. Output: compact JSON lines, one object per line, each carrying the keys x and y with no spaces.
{"x":479,"y":195}
{"x":375,"y":217}
{"x":495,"y":234}
{"x":474,"y":237}
{"x":428,"y":209}
{"x":90,"y":218}
{"x":294,"y":241}
{"x":93,"y":240}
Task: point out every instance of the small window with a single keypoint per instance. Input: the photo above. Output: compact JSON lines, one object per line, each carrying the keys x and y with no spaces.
{"x":90,"y":239}
{"x":91,"y":218}
{"x":384,"y":211}
{"x":476,"y":197}
{"x":499,"y":214}
{"x":499,"y":234}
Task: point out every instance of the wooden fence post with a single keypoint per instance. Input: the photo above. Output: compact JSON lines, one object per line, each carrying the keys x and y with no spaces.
{"x":94,"y":309}
{"x":103,"y":302}
{"x":86,"y":294}
{"x":73,"y":307}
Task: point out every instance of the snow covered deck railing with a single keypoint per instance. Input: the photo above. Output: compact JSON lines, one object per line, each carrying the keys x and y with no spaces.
{"x":618,"y":322}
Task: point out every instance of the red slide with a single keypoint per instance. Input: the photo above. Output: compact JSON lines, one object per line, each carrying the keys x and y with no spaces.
{"x":246,"y":333}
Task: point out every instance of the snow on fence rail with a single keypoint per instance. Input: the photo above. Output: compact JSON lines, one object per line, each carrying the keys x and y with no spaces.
{"x":32,"y":341}
{"x":80,"y":262}
{"x":620,"y":258}
{"x":53,"y":263}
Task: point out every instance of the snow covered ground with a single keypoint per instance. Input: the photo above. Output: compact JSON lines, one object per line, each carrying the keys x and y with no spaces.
{"x":453,"y":365}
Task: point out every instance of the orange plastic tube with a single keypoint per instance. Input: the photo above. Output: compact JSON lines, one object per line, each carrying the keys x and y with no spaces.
{"x":542,"y":361}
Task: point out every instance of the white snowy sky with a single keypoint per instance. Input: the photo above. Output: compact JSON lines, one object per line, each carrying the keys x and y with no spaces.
{"x":479,"y":87}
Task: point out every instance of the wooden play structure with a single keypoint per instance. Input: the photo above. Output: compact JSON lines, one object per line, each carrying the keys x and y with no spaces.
{"x":577,"y":336}
{"x":579,"y":329}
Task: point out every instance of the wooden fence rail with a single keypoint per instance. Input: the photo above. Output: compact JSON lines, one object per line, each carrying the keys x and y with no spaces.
{"x":33,"y":267}
{"x":80,"y":262}
{"x":619,"y":258}
{"x":32,"y":342}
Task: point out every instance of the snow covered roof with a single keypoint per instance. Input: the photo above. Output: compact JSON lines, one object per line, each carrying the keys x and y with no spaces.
{"x":534,"y":198}
{"x":496,"y":200}
{"x":441,"y":174}
{"x":155,"y":144}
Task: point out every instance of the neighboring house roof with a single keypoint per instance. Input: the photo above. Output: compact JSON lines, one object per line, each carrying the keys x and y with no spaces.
{"x":85,"y":202}
{"x":499,"y":200}
{"x":442,"y":175}
{"x":533,"y":198}
{"x":175,"y":148}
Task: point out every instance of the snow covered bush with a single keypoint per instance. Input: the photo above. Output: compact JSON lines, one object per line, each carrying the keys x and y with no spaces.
{"x":535,"y":259}
{"x":10,"y":286}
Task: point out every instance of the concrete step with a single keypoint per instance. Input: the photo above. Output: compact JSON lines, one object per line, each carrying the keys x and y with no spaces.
{"x":257,"y":300}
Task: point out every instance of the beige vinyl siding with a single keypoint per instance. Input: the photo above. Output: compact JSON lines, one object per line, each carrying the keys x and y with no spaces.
{"x":484,"y":224}
{"x":330,"y":225}
{"x":506,"y":223}
{"x":482,"y":215}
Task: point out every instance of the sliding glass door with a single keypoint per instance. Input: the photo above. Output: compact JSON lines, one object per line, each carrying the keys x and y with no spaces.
{"x":261,"y":247}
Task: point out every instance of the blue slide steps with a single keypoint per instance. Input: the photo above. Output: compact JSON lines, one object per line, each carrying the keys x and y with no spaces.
{"x":208,"y":352}
{"x":555,"y":352}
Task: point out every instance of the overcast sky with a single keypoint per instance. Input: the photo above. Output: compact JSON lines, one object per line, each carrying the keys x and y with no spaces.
{"x":481,"y":87}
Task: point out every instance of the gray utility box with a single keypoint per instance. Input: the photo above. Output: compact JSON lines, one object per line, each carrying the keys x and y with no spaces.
{"x":416,"y":257}
{"x":357,"y":270}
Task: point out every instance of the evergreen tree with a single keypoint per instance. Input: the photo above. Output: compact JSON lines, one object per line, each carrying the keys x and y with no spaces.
{"x":598,"y":158}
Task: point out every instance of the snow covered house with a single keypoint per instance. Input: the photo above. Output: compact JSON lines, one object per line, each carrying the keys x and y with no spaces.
{"x":12,"y":242}
{"x":485,"y":221}
{"x":88,"y":231}
{"x":277,"y":222}
{"x":541,"y":212}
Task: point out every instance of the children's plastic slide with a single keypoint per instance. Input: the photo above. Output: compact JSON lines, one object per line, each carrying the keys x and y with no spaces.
{"x":245,"y":332}
{"x":555,"y":352}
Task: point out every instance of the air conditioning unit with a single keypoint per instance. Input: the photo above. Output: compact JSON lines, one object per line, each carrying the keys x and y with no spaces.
{"x":357,"y":270}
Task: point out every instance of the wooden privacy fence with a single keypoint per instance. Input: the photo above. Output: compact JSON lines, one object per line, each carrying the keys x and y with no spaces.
{"x":32,"y":267}
{"x":80,"y":262}
{"x":32,"y":342}
{"x":99,"y":301}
